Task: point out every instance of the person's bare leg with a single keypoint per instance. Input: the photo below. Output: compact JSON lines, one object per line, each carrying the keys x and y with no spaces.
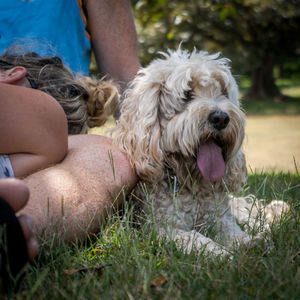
{"x":76,"y":194}
{"x":16,"y":194}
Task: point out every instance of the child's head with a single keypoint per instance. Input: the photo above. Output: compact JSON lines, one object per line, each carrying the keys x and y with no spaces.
{"x":86,"y":102}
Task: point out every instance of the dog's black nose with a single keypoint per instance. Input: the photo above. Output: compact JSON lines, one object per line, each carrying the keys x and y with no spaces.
{"x":219,"y":119}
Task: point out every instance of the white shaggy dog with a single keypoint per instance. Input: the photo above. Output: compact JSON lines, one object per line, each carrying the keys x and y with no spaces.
{"x":182,"y":127}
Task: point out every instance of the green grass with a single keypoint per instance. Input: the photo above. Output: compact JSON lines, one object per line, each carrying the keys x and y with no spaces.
{"x":289,"y":87}
{"x":126,"y":262}
{"x":288,"y":107}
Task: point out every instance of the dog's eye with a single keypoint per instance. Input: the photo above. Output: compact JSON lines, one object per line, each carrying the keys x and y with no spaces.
{"x":188,"y":95}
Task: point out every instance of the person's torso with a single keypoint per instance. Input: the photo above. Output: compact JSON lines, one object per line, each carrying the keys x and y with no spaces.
{"x":47,"y":27}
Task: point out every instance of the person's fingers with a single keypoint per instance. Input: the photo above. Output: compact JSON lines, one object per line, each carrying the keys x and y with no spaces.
{"x":26,"y":225}
{"x":15,"y":192}
{"x":32,"y":245}
{"x":33,"y":248}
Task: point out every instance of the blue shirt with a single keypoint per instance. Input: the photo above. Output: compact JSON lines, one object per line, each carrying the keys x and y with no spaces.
{"x":49,"y":28}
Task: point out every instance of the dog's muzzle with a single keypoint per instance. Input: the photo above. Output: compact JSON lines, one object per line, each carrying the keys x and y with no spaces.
{"x":210,"y":154}
{"x":218,"y":119}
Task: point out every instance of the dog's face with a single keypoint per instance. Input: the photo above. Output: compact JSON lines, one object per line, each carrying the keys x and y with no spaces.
{"x":183,"y":113}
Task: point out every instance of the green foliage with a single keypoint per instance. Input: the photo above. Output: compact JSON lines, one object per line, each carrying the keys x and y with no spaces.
{"x":259,"y":36}
{"x":247,"y":31}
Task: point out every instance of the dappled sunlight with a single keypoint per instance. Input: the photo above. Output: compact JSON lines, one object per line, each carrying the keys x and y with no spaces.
{"x":49,"y":203}
{"x":293,"y":91}
{"x":68,"y":185}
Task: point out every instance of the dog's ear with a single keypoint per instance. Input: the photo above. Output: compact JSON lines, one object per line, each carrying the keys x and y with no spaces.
{"x":138,"y":130}
{"x":233,"y":91}
{"x":236,"y":172}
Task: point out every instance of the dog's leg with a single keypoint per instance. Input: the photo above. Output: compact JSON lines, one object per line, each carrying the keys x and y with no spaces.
{"x":251,"y":211}
{"x":193,"y":240}
{"x":245,"y":210}
{"x":231,"y":231}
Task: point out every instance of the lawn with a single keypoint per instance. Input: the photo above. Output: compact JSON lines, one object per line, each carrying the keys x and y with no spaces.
{"x":124,"y":261}
{"x":273,"y":143}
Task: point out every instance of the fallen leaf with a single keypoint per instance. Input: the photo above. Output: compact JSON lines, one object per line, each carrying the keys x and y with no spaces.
{"x":86,"y":269}
{"x":159,"y":281}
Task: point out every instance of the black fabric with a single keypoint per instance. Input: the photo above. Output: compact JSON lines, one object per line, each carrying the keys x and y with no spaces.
{"x":13,"y":249}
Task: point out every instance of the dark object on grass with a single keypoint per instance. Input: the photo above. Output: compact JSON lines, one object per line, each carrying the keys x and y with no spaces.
{"x":13,"y":248}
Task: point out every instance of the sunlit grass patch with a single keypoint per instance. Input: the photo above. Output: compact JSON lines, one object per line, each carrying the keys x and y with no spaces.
{"x":105,"y":129}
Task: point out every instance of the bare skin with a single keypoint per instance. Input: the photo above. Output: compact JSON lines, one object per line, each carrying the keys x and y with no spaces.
{"x":76,"y":194}
{"x":33,"y":126}
{"x":33,"y":132}
{"x":114,"y":39}
{"x":16,"y":194}
{"x":35,"y":137}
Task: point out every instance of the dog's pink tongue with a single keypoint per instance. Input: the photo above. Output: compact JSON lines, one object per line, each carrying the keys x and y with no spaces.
{"x":210,"y":161}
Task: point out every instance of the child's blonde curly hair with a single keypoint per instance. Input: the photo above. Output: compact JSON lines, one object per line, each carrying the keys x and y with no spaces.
{"x":87,"y":102}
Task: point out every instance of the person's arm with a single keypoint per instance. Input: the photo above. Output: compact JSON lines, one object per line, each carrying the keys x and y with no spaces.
{"x":73,"y":198}
{"x":114,"y":39}
{"x":33,"y":129}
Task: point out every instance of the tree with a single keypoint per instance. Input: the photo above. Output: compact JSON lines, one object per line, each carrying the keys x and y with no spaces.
{"x":256,"y":35}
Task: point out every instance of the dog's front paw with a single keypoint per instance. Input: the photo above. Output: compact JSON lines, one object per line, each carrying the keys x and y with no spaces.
{"x":243,"y":239}
{"x":275,"y":210}
{"x":194,"y":241}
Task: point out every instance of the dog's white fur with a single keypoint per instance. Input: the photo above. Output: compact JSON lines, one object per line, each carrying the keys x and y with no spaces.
{"x":164,"y":120}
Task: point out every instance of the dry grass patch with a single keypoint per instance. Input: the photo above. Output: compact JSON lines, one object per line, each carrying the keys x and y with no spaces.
{"x":273,"y":143}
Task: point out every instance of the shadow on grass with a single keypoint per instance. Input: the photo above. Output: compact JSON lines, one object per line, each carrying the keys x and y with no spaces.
{"x":289,"y":106}
{"x":269,"y":107}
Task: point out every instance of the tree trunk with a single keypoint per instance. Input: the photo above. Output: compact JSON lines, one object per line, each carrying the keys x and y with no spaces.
{"x":263,"y":83}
